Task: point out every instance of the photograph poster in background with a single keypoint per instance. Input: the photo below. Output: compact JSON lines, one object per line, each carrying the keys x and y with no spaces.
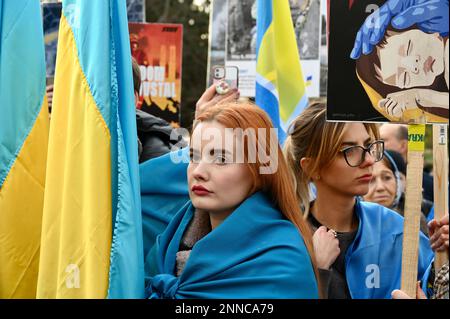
{"x":307,"y":19}
{"x":403,"y":79}
{"x":218,"y":23}
{"x":51,"y":14}
{"x":136,"y":10}
{"x":240,"y":43}
{"x":157,"y":49}
{"x":233,"y":40}
{"x":323,"y":49}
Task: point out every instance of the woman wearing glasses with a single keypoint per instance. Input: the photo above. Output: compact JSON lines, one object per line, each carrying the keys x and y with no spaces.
{"x":358,"y":245}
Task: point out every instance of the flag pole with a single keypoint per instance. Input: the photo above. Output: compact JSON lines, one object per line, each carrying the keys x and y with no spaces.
{"x":413,"y":200}
{"x":440,"y":174}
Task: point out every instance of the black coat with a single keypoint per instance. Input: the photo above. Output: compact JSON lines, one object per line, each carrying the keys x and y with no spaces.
{"x":154,"y":135}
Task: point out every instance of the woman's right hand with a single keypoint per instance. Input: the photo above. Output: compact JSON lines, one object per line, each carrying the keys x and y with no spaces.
{"x":326,"y":247}
{"x":438,"y":231}
{"x":211,"y":98}
{"x":400,"y":294}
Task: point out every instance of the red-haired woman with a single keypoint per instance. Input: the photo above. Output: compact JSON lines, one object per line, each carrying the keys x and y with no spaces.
{"x":241,"y":233}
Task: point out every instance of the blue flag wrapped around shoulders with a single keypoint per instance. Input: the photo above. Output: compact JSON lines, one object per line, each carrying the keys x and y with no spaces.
{"x":254,"y":253}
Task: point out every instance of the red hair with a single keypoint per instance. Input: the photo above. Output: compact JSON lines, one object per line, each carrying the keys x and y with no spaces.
{"x":279,"y":185}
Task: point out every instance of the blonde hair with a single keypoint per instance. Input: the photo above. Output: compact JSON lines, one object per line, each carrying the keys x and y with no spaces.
{"x":311,"y":136}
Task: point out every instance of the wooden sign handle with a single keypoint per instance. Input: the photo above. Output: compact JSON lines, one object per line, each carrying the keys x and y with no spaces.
{"x":440,"y":179}
{"x":413,"y":201}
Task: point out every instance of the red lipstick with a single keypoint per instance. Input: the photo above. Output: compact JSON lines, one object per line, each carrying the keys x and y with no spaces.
{"x":200,"y":190}
{"x":365,"y":178}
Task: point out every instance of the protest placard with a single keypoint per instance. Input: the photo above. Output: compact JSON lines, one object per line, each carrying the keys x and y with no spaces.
{"x":233,"y":41}
{"x":157,"y":49}
{"x":404,"y":78}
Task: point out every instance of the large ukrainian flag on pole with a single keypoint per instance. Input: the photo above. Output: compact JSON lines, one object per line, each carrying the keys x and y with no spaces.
{"x":280,"y":86}
{"x":91,"y":243}
{"x":23,"y":145}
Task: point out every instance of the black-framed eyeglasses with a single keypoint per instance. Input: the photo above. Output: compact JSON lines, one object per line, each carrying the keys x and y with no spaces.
{"x":355,"y":155}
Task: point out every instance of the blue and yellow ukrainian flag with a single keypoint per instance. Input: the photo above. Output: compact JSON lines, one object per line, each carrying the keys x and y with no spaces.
{"x":91,"y":244}
{"x":23,"y":145}
{"x":280,"y":86}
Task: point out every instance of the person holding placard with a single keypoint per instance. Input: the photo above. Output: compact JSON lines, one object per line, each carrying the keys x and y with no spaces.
{"x":395,"y":137}
{"x":439,"y":242}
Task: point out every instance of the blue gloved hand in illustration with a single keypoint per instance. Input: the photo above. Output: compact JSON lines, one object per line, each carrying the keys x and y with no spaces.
{"x":429,"y":15}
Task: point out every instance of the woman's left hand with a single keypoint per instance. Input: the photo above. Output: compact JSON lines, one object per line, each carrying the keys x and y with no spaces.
{"x":326,"y":247}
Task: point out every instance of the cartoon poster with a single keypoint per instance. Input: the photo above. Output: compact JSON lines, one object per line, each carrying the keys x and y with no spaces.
{"x":51,"y":13}
{"x":388,"y":61}
{"x":233,"y":40}
{"x":157,"y":49}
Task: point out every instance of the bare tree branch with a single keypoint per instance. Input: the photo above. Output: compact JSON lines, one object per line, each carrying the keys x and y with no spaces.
{"x":166,"y":11}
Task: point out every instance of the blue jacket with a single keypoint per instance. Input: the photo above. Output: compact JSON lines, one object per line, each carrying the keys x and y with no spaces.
{"x":254,"y":253}
{"x":373,"y":260}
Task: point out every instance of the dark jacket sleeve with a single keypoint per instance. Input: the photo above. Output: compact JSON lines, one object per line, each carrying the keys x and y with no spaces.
{"x":325,"y":278}
{"x":156,"y":136}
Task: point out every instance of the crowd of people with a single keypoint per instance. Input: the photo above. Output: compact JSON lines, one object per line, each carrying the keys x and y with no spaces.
{"x":231,"y":213}
{"x":326,"y":223}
